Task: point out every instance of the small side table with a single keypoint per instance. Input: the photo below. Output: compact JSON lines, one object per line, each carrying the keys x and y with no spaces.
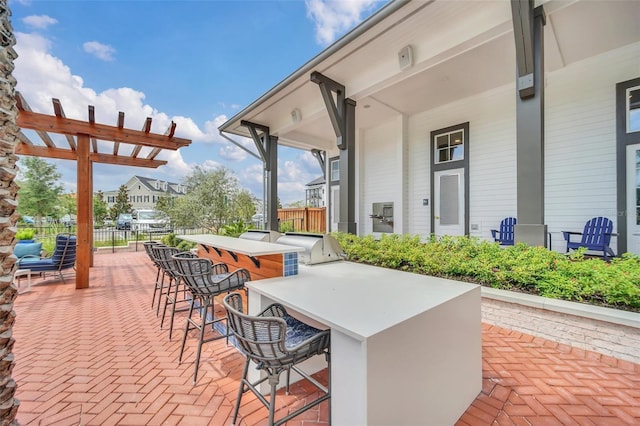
{"x":19,"y":274}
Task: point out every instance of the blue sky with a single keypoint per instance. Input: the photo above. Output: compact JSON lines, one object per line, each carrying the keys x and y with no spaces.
{"x":194,"y":62}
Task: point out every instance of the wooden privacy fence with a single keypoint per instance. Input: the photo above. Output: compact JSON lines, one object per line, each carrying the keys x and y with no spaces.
{"x":304,"y":219}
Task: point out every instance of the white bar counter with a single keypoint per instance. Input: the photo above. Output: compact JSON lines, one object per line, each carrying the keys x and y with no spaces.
{"x":405,"y":348}
{"x":237,"y":245}
{"x":262,"y":259}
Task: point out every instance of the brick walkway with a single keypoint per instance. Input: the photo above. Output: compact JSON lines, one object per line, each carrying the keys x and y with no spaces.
{"x":98,"y":356}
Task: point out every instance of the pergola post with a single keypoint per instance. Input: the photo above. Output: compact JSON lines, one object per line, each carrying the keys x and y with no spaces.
{"x":84,"y":216}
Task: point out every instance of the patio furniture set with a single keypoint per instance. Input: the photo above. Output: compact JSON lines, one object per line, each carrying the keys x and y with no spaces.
{"x":596,"y":235}
{"x":274,"y":340}
{"x":30,"y":260}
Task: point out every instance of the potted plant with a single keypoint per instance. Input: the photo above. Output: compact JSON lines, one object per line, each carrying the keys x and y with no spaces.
{"x":26,"y":235}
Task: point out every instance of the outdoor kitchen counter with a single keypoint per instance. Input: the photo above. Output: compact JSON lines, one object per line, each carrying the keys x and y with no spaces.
{"x":261,"y":259}
{"x":405,"y":348}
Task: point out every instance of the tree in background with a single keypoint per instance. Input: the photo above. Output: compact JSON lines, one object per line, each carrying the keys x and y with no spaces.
{"x":100,"y":211}
{"x":67,"y":204}
{"x":244,"y":206}
{"x":298,"y":204}
{"x":40,"y":190}
{"x":213,"y":199}
{"x":122,"y":204}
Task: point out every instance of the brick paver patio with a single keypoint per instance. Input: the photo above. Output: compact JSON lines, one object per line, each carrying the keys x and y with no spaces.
{"x":98,"y":356}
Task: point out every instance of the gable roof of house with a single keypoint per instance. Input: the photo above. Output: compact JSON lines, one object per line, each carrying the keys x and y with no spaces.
{"x":149,"y":183}
{"x":317,"y":181}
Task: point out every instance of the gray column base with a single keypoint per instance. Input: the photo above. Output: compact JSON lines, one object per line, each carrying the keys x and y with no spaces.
{"x":533,"y":235}
{"x":348,"y":227}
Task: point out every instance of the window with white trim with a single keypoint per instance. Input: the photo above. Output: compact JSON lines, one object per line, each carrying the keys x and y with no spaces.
{"x":633,"y":109}
{"x":449,"y":147}
{"x":334,"y":170}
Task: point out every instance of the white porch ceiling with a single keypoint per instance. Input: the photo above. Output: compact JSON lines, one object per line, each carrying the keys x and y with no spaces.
{"x":460,"y":49}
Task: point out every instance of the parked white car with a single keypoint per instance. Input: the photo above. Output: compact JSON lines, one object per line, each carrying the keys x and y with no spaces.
{"x":150,"y":220}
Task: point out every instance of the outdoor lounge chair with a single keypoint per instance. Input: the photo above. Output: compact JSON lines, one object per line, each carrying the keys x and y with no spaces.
{"x":206,"y":280}
{"x":596,"y":236}
{"x":63,"y":257}
{"x":505,"y":234}
{"x":276,"y":342}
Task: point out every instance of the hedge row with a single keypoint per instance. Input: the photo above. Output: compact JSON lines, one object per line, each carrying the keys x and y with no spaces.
{"x":533,"y":270}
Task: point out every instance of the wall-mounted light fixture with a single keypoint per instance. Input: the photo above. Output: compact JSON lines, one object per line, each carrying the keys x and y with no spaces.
{"x":296,"y":115}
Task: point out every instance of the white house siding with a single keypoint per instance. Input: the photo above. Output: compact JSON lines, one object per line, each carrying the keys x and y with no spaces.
{"x":381,"y":173}
{"x":580,"y":140}
{"x":492,"y":162}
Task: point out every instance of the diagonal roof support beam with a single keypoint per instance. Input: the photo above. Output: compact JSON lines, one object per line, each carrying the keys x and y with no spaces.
{"x":321,"y":156}
{"x":335,"y":107}
{"x":268,"y":147}
{"x":342,"y":113}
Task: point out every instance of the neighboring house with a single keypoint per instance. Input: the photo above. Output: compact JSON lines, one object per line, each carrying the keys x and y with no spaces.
{"x":145,"y":192}
{"x":446,"y":120}
{"x":315,"y":193}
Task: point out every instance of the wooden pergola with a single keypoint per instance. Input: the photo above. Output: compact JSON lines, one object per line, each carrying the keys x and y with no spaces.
{"x":82,"y":140}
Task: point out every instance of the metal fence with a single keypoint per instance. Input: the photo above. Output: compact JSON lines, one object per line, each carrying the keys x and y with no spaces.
{"x":109,"y":237}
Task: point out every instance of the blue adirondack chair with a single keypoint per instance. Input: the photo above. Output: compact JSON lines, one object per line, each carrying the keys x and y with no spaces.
{"x":596,"y":236}
{"x":504,"y":235}
{"x":63,"y":257}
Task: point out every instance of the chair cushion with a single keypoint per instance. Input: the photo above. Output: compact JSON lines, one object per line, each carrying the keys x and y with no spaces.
{"x":27,"y":249}
{"x":297,"y":331}
{"x":36,"y":264}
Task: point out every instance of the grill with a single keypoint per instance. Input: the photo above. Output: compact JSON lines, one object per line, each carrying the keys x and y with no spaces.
{"x":318,"y":248}
{"x":261,"y":235}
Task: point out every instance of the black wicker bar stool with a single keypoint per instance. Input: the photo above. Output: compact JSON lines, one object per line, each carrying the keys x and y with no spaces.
{"x":206,"y":280}
{"x":148,"y":248}
{"x":276,"y":342}
{"x":176,"y":291}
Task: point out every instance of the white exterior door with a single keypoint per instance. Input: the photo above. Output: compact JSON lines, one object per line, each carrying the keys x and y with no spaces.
{"x":335,"y":207}
{"x":633,"y":201}
{"x":448,"y":202}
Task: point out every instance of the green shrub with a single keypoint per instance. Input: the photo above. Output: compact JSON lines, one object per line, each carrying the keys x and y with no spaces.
{"x":172,"y":241}
{"x":235,"y":229}
{"x":25,"y":234}
{"x":534,"y":270}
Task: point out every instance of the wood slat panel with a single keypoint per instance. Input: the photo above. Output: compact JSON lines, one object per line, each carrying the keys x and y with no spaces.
{"x":270,"y":265}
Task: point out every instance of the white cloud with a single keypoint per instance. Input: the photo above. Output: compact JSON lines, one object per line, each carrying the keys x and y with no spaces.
{"x":99,"y":50}
{"x":333,"y":18}
{"x":42,"y":76}
{"x":232,"y":153}
{"x":39,"y":21}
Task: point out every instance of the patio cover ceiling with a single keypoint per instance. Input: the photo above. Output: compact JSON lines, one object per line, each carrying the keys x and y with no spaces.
{"x":84,"y":139}
{"x":450,"y":62}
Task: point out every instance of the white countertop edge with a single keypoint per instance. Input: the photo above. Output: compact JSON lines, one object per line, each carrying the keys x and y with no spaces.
{"x":236,"y":245}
